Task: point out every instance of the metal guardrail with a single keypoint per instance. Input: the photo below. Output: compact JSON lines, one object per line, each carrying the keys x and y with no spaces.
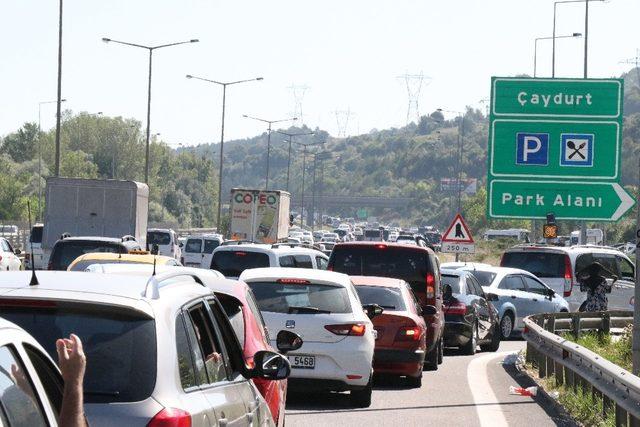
{"x":579,"y":367}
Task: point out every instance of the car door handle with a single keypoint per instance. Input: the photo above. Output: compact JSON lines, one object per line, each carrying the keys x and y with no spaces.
{"x":534,"y":299}
{"x":513,"y":296}
{"x":222,"y":422}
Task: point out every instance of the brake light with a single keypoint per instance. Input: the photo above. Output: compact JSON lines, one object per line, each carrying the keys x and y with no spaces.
{"x":294,"y":281}
{"x":351,"y":329}
{"x":408,"y":333}
{"x":240,"y":253}
{"x":568,"y":276}
{"x":381,"y":246}
{"x":12,"y":302}
{"x":456,"y":307}
{"x":430,"y":282}
{"x":171,"y":417}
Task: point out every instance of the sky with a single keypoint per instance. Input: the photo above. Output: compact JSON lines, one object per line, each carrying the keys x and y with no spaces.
{"x":348,"y":53}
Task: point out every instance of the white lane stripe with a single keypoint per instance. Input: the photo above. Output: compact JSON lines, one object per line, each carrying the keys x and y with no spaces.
{"x":487,"y":407}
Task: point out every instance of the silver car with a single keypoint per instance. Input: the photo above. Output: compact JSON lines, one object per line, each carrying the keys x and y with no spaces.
{"x":520,"y":294}
{"x":158,"y":348}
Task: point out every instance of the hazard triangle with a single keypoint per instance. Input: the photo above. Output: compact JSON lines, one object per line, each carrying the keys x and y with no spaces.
{"x":458,"y":232}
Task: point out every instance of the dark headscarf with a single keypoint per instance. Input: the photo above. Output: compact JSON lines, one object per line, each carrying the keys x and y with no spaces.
{"x":594,"y":274}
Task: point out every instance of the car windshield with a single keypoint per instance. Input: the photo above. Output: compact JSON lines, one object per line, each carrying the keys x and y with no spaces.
{"x":65,"y":252}
{"x":453,"y":281}
{"x":120,"y":347}
{"x":301,"y":298}
{"x":233,"y":263}
{"x":541,"y":264}
{"x":484,"y":277}
{"x":158,"y":238}
{"x":193,"y":246}
{"x":36,"y":234}
{"x":388,"y":298}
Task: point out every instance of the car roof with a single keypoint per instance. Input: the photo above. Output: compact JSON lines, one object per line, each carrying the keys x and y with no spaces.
{"x":93,"y":239}
{"x":265,"y":248}
{"x":124,"y":258}
{"x":496,"y":270}
{"x":564,"y":249}
{"x":388,"y":244}
{"x":386,"y":282}
{"x":314,"y":275}
{"x":454,"y":265}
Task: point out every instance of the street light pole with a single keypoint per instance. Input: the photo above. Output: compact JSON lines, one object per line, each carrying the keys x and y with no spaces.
{"x":304,"y":168}
{"x":59,"y":99}
{"x":224,"y":103}
{"x":535,"y":50}
{"x":150,"y":49}
{"x":40,"y":104}
{"x":290,"y":136}
{"x":270,"y":122}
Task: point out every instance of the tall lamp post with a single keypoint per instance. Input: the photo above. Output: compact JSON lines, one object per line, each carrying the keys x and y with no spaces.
{"x":270,"y":122}
{"x":321,"y":156}
{"x":40,"y":104}
{"x":460,"y":153}
{"x":59,"y":99}
{"x":150,"y":49}
{"x":304,"y":167}
{"x":290,"y":141}
{"x":535,"y":47}
{"x":224,"y":101}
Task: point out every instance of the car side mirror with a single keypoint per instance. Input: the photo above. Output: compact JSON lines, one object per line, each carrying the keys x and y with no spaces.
{"x":287,"y":341}
{"x":491,"y":297}
{"x":550,"y":293}
{"x":429,"y":310}
{"x":372,"y":310}
{"x":181,"y":244}
{"x":17,"y":251}
{"x":447,"y":292}
{"x":270,"y":366}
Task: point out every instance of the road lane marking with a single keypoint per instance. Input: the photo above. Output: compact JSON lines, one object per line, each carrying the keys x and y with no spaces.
{"x":487,"y":406}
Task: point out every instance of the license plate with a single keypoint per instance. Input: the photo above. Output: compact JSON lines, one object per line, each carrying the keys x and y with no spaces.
{"x":302,"y":362}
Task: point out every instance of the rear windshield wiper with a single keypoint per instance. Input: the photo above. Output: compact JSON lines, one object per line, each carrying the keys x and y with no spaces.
{"x":312,"y":310}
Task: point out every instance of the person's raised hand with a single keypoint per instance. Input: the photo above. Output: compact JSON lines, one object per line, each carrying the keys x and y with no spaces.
{"x":71,"y":359}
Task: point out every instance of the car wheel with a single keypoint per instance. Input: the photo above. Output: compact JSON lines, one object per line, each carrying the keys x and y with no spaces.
{"x":362,"y":398}
{"x":506,"y":326}
{"x":470,"y":347}
{"x":440,"y":352}
{"x":415,"y":382}
{"x":495,"y":341}
{"x":431,"y":361}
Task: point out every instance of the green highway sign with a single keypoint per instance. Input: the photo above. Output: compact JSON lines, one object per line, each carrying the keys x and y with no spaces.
{"x":555,"y":146}
{"x":526,"y":199}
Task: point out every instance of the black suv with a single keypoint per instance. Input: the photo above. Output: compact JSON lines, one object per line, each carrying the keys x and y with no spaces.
{"x":67,"y":249}
{"x":414,"y":264}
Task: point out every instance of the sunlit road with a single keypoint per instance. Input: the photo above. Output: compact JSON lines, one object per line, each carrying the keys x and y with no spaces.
{"x":465,"y":391}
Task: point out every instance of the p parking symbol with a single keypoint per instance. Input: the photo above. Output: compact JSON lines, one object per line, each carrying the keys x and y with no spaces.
{"x":532,"y":148}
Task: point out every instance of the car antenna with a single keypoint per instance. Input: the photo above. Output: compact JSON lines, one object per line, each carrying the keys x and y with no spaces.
{"x":154,"y":265}
{"x":34,"y":279}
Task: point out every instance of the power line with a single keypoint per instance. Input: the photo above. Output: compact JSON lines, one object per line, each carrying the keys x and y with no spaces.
{"x":298,"y":97}
{"x":342,"y":120}
{"x":635,"y":61}
{"x":414,"y":84}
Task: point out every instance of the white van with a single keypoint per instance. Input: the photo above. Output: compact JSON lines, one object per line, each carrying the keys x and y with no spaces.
{"x":518,"y":234}
{"x":34,"y":249}
{"x":167,"y":241}
{"x":198,"y":250}
{"x":595,"y":236}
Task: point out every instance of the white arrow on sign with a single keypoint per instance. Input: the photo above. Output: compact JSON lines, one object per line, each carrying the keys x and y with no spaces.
{"x":626,"y":201}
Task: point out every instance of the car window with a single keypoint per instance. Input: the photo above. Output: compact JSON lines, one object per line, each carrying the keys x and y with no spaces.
{"x":209,"y":343}
{"x":541,"y":264}
{"x":321,"y":263}
{"x":476,"y":286}
{"x":512,"y":283}
{"x":49,"y":376}
{"x":627,"y":270}
{"x":65,"y":252}
{"x":5,"y":245}
{"x":305,"y":298}
{"x":210,"y":245}
{"x":193,"y":246}
{"x":535,"y":286}
{"x":287,"y":261}
{"x":196,"y":352}
{"x":17,"y":394}
{"x":303,"y":261}
{"x":233,"y":309}
{"x":158,"y":238}
{"x":608,"y":261}
{"x":253,"y":306}
{"x":388,"y":298}
{"x":485,"y":278}
{"x":36,"y":234}
{"x":453,"y":281}
{"x":233,"y":262}
{"x":185,"y":362}
{"x":470,"y":289}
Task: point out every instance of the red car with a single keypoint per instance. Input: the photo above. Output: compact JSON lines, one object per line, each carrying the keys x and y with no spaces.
{"x":252,"y":333}
{"x":401,"y":342}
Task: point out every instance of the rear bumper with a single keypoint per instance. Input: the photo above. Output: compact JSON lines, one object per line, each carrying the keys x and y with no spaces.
{"x":457,"y":334}
{"x":398,"y":362}
{"x":319,"y":385}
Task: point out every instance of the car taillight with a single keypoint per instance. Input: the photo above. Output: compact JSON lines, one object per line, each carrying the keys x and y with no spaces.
{"x":171,"y":417}
{"x":568,"y":276}
{"x":456,"y":307}
{"x":351,"y":329}
{"x":408,"y":333}
{"x":291,"y":281}
{"x":430,"y":283}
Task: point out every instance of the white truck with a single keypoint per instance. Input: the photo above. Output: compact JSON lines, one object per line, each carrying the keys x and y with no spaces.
{"x":259,"y":215}
{"x":94,"y":207}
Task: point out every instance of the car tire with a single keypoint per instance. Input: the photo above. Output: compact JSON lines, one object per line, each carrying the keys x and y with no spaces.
{"x":506,"y":325}
{"x":440,"y":352}
{"x":362,"y":398}
{"x":415,"y":382}
{"x":431,"y":361}
{"x":470,"y":347}
{"x":495,"y":341}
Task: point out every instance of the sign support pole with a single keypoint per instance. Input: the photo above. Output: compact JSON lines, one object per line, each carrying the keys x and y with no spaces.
{"x":635,"y":342}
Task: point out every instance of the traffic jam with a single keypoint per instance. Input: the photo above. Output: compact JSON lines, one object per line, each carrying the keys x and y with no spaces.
{"x":202,"y":329}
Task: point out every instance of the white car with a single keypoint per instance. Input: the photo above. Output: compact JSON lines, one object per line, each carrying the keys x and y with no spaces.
{"x":558,"y":266}
{"x":33,"y":250}
{"x":8,"y":256}
{"x":324,"y":309}
{"x":198,"y":250}
{"x":454,"y":265}
{"x":166,"y":240}
{"x":231,"y":259}
{"x":520,"y":294}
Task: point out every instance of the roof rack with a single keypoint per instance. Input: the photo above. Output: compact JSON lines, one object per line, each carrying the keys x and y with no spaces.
{"x":152,"y":288}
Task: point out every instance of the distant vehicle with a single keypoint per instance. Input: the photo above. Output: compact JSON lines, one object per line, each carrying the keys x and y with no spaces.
{"x":232,"y":259}
{"x":401,"y":341}
{"x":341,"y":232}
{"x":94,"y":207}
{"x":416,"y":265}
{"x":67,"y":249}
{"x":595,"y":236}
{"x":470,"y":318}
{"x":101,"y":258}
{"x":258,"y":215}
{"x":198,"y":250}
{"x":33,"y":251}
{"x":557,"y":268}
{"x":372,"y":235}
{"x":9,"y":256}
{"x":166,"y":240}
{"x":520,"y":294}
{"x":517,"y":234}
{"x":324,"y":309}
{"x":454,"y":265}
{"x":330,"y":237}
{"x":8,"y":231}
